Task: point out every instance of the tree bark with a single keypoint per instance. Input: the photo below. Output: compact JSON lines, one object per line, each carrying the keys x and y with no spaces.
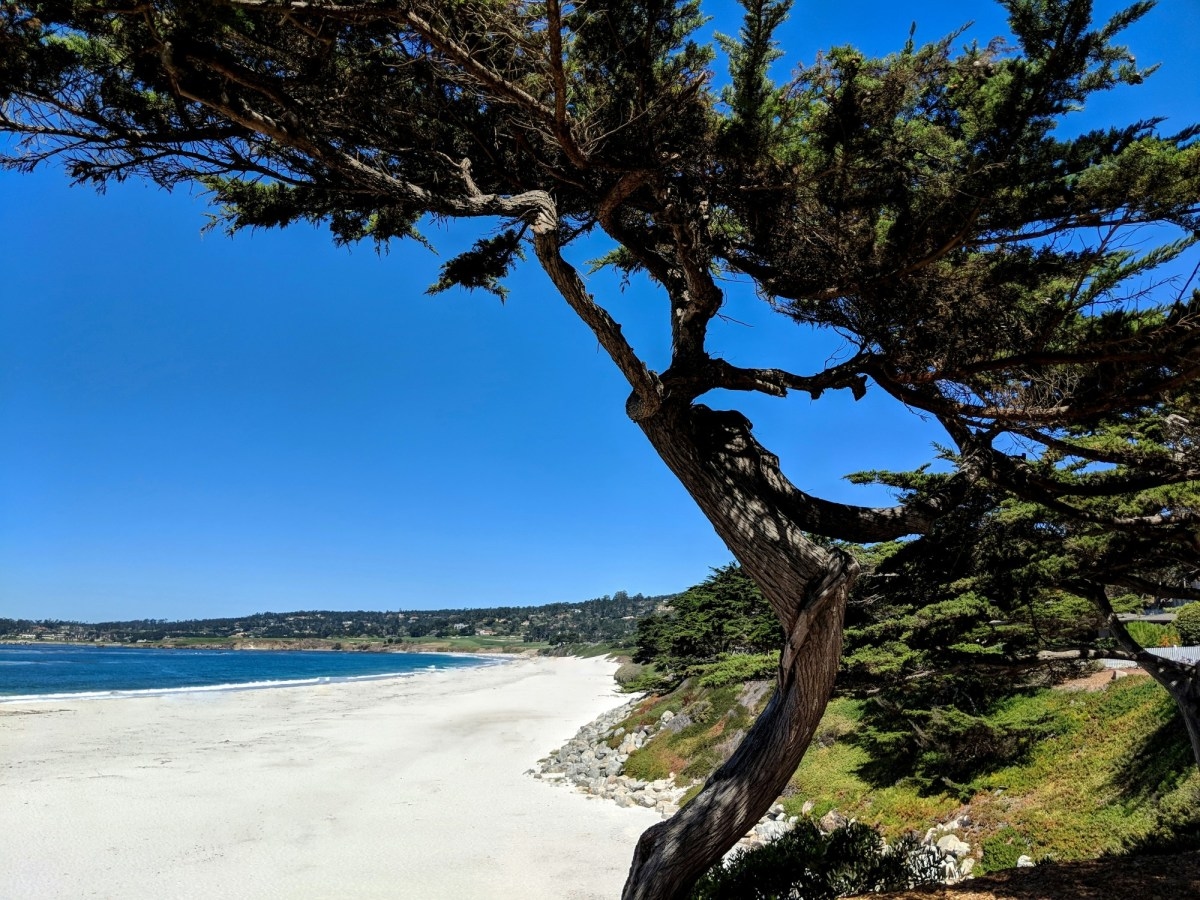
{"x":740,"y":489}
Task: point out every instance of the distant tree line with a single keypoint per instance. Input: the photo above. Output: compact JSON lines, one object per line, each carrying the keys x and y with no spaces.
{"x":603,"y":619}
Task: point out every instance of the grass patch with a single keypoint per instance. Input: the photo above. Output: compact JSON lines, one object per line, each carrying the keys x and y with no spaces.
{"x":600,"y":648}
{"x":1100,"y":785}
{"x":831,"y":777}
{"x":1112,"y":772}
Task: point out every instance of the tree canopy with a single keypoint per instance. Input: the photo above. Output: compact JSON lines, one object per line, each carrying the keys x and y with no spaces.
{"x":725,"y":615}
{"x":980,"y":266}
{"x":920,"y":204}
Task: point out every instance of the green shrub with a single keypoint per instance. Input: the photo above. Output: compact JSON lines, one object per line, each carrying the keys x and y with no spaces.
{"x":653,"y":760}
{"x":1003,"y":849}
{"x":805,"y":864}
{"x":630,"y":672}
{"x":737,"y":668}
{"x":648,"y":681}
{"x":723,"y":615}
{"x":1148,"y":634}
{"x":1187,"y":623}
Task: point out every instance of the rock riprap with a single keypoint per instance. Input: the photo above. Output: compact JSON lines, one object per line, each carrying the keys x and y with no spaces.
{"x":590,"y":763}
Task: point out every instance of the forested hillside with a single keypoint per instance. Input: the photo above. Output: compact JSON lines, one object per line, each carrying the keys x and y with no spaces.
{"x":603,"y":619}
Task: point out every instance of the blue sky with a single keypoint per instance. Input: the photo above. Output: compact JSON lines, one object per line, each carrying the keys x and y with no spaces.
{"x":192,"y":425}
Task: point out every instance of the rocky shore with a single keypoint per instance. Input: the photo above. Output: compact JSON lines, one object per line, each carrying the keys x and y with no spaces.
{"x":593,"y":761}
{"x":590,"y":763}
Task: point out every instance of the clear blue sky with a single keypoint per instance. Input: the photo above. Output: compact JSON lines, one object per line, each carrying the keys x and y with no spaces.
{"x":192,"y":425}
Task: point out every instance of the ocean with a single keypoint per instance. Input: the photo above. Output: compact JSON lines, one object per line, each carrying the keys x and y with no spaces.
{"x":48,"y":671}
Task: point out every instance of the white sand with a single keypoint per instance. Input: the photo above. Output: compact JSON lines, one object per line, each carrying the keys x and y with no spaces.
{"x":406,"y":788}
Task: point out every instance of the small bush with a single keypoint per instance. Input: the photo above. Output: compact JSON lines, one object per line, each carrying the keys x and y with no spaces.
{"x":1149,"y":634}
{"x":654,"y":760}
{"x":1003,"y":849}
{"x":737,"y":668}
{"x":629,"y":672}
{"x":805,"y":864}
{"x":649,"y":680}
{"x":700,"y":712}
{"x":1187,"y":623}
{"x":945,"y":748}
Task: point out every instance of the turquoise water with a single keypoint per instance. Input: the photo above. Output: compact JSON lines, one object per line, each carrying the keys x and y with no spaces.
{"x":65,"y":669}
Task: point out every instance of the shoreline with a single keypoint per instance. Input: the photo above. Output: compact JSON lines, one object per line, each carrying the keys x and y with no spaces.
{"x":323,"y":645}
{"x":270,"y":685}
{"x":385,"y":787}
{"x":90,"y":684}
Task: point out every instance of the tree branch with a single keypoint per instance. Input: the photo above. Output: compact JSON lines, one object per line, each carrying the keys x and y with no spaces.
{"x":398,"y":13}
{"x":777,"y":382}
{"x":647,"y":391}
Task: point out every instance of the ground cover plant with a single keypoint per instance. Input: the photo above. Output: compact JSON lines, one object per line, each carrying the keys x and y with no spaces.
{"x":1114,"y":777}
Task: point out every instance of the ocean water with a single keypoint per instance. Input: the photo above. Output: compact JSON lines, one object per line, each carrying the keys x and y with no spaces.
{"x":52,"y":670}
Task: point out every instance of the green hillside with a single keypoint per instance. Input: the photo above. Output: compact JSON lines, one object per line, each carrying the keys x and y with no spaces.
{"x":1115,"y":774}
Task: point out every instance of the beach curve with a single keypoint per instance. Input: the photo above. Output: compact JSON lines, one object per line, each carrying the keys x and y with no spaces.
{"x":407,"y":787}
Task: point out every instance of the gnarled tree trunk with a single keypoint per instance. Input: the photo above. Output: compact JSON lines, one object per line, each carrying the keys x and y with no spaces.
{"x":740,"y":489}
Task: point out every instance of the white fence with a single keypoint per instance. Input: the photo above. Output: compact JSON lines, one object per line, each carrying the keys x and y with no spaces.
{"x":1176,"y":654}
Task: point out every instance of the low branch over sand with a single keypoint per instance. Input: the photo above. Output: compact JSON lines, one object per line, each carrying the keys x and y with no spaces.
{"x":409,"y":787}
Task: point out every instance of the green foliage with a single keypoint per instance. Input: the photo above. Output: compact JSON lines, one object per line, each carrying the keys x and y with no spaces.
{"x":709,"y":724}
{"x":651,"y":764}
{"x":1149,"y":634}
{"x":711,"y":623}
{"x":942,"y":749}
{"x":738,"y":668}
{"x":1002,"y":850}
{"x":946,"y":627}
{"x":1187,"y":623}
{"x":489,"y":260}
{"x":806,"y":863}
{"x":1113,"y":773}
{"x":649,"y":680}
{"x":1176,"y":823}
{"x":755,"y":103}
{"x":628,"y":673}
{"x":933,"y":631}
{"x":1116,"y":773}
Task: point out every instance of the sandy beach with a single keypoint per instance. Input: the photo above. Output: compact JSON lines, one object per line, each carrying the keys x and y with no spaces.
{"x":402,"y":788}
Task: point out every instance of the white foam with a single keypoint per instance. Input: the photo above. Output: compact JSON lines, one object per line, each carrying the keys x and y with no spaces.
{"x":208,"y":688}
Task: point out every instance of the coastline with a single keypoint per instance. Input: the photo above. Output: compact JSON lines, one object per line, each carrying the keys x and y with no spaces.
{"x":332,"y":645}
{"x":59,"y":673}
{"x":410,"y":786}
